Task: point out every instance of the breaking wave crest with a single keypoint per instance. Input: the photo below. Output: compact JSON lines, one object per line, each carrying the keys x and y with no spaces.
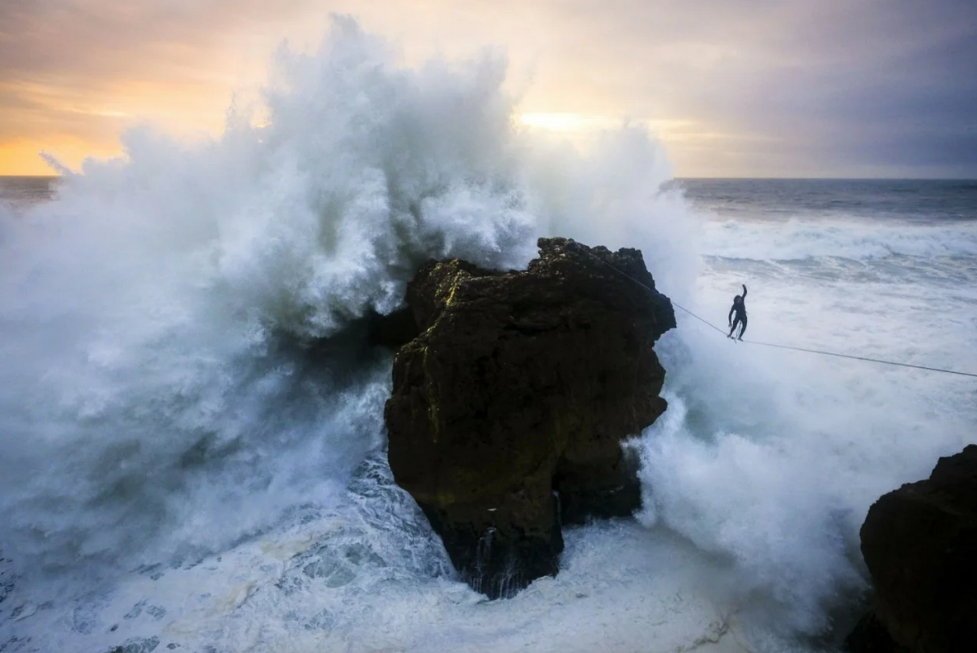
{"x":163,"y":391}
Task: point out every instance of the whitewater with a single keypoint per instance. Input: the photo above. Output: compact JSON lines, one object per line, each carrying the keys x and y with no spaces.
{"x":191,"y":437}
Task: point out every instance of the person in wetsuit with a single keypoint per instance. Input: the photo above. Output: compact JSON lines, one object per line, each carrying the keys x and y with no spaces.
{"x":739,"y":307}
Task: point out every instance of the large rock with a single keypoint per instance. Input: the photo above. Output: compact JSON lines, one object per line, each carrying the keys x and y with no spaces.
{"x":509,"y":409}
{"x":871,"y":636}
{"x":920,"y":545}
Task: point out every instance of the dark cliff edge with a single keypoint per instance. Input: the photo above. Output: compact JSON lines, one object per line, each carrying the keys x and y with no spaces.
{"x":509,"y":408}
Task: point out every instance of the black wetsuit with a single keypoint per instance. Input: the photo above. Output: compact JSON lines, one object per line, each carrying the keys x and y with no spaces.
{"x":739,"y":307}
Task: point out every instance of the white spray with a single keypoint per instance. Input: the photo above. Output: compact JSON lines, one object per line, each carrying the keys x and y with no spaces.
{"x":157,"y":399}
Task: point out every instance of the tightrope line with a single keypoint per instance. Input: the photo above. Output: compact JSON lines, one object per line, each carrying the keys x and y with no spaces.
{"x":769,"y":344}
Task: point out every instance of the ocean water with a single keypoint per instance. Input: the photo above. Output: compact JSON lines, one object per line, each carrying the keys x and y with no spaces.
{"x":181,"y":470}
{"x":18,"y":194}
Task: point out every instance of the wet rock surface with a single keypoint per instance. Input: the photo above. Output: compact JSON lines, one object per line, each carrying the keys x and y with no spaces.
{"x":509,"y":409}
{"x":920,"y":545}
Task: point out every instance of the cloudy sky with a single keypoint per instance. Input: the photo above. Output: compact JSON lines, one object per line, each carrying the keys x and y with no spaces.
{"x":733,"y":87}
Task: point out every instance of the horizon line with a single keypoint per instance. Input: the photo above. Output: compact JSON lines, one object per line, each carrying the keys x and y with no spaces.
{"x":690,"y":177}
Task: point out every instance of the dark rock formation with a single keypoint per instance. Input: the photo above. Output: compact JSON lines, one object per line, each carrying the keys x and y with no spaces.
{"x":920,"y":546}
{"x":508,"y":411}
{"x":871,"y":636}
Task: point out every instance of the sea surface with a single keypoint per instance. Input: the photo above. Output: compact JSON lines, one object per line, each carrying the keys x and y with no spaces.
{"x":177,"y":473}
{"x":18,"y":194}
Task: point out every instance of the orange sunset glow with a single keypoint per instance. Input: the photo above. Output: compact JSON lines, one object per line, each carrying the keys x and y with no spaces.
{"x":729,"y":90}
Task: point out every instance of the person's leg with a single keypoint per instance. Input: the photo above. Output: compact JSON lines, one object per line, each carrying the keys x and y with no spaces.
{"x":732,"y":329}
{"x":742,"y":328}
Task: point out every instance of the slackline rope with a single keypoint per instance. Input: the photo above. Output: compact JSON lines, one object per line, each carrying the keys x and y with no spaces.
{"x":768,"y":344}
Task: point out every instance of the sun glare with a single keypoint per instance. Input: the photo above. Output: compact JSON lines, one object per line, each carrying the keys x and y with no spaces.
{"x":567,"y":122}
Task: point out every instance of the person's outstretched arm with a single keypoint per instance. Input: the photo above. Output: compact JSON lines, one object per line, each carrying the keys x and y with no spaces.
{"x":744,"y":292}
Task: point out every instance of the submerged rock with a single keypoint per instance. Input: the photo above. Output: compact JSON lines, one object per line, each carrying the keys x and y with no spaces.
{"x":137,"y":645}
{"x":509,"y":409}
{"x":920,"y":546}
